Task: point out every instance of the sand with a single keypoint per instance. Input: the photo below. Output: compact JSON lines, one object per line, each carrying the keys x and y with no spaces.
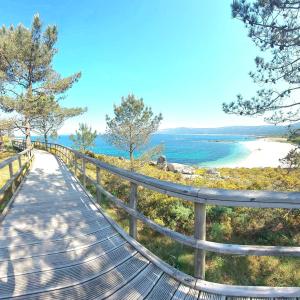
{"x":264,"y":152}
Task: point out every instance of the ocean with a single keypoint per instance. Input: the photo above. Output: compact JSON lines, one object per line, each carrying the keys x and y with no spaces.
{"x":191,"y":149}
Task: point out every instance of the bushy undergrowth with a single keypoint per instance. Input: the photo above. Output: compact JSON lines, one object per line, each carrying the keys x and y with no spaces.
{"x":224,"y":224}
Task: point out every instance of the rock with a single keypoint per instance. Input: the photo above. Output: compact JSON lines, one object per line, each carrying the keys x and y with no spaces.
{"x":152,"y":163}
{"x":191,"y":176}
{"x":180,"y":168}
{"x":213,"y":172}
{"x":121,"y":158}
{"x":162,"y":162}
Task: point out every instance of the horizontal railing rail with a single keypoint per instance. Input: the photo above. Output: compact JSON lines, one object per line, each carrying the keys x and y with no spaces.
{"x":200,"y":197}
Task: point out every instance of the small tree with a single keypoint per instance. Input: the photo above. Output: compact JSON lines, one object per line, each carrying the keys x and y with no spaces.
{"x":292,"y":159}
{"x":84,"y":138}
{"x":52,"y":117}
{"x":26,"y":71}
{"x":274,"y":26}
{"x":131,"y":126}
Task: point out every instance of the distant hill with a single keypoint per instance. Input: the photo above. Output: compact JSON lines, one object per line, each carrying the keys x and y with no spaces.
{"x":263,"y":130}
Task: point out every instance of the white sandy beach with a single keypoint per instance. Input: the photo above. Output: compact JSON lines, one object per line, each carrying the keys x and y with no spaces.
{"x":264,"y":152}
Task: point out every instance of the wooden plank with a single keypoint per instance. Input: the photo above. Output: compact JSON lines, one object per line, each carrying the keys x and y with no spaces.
{"x":247,"y":291}
{"x":133,"y":204}
{"x":210,"y":296}
{"x":84,"y":172}
{"x":200,"y":235}
{"x":192,"y":295}
{"x":26,"y":284}
{"x":48,"y":247}
{"x":140,"y":286}
{"x":164,"y":289}
{"x":20,"y":161}
{"x":181,"y":292}
{"x":98,"y":179}
{"x":61,"y":259}
{"x":75,"y":165}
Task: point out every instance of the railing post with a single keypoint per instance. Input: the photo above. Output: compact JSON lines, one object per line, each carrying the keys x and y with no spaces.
{"x":98,"y":178}
{"x":84,"y":172}
{"x":200,"y":234}
{"x":75,"y":164}
{"x":20,"y":161}
{"x":11,"y":175}
{"x":66,"y":155}
{"x":132,"y":204}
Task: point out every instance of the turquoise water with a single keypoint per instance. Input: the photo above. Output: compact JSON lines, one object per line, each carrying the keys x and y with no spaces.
{"x":199,"y":150}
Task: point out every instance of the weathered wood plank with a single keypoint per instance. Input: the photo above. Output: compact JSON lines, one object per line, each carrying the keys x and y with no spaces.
{"x":133,"y":203}
{"x":140,"y":286}
{"x":200,"y":235}
{"x":164,"y":289}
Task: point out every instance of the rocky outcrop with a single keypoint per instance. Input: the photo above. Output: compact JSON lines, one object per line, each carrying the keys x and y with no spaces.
{"x":213,"y":172}
{"x":162,"y":163}
{"x":180,"y":168}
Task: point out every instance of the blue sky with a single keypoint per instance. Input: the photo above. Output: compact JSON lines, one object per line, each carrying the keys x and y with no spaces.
{"x":183,"y":57}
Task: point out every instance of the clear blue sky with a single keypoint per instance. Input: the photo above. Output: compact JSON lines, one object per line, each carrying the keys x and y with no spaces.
{"x":183,"y":57}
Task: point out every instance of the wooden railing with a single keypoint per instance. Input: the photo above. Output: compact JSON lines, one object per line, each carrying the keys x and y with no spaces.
{"x":200,"y":197}
{"x":14,"y":174}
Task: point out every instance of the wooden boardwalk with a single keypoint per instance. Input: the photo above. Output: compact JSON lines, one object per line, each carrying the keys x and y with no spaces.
{"x":56,"y":244}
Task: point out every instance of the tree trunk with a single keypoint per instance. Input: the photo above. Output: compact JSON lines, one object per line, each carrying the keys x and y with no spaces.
{"x":131,"y":159}
{"x":27,"y":123}
{"x":27,"y":134}
{"x":46,"y":140}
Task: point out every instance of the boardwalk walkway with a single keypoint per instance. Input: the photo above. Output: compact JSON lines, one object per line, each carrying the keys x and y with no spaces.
{"x":55,"y":244}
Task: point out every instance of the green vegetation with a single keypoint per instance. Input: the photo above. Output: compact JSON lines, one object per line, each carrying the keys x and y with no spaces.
{"x":84,"y":138}
{"x":294,"y":136}
{"x":131,"y":126}
{"x":224,"y":224}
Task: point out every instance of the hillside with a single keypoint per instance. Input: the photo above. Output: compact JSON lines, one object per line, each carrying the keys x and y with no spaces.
{"x":264,"y":130}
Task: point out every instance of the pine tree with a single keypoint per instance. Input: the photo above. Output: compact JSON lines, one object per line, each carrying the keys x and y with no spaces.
{"x":132,"y":125}
{"x":52,"y":117}
{"x":274,"y":26}
{"x":84,"y":138}
{"x":26,"y":72}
